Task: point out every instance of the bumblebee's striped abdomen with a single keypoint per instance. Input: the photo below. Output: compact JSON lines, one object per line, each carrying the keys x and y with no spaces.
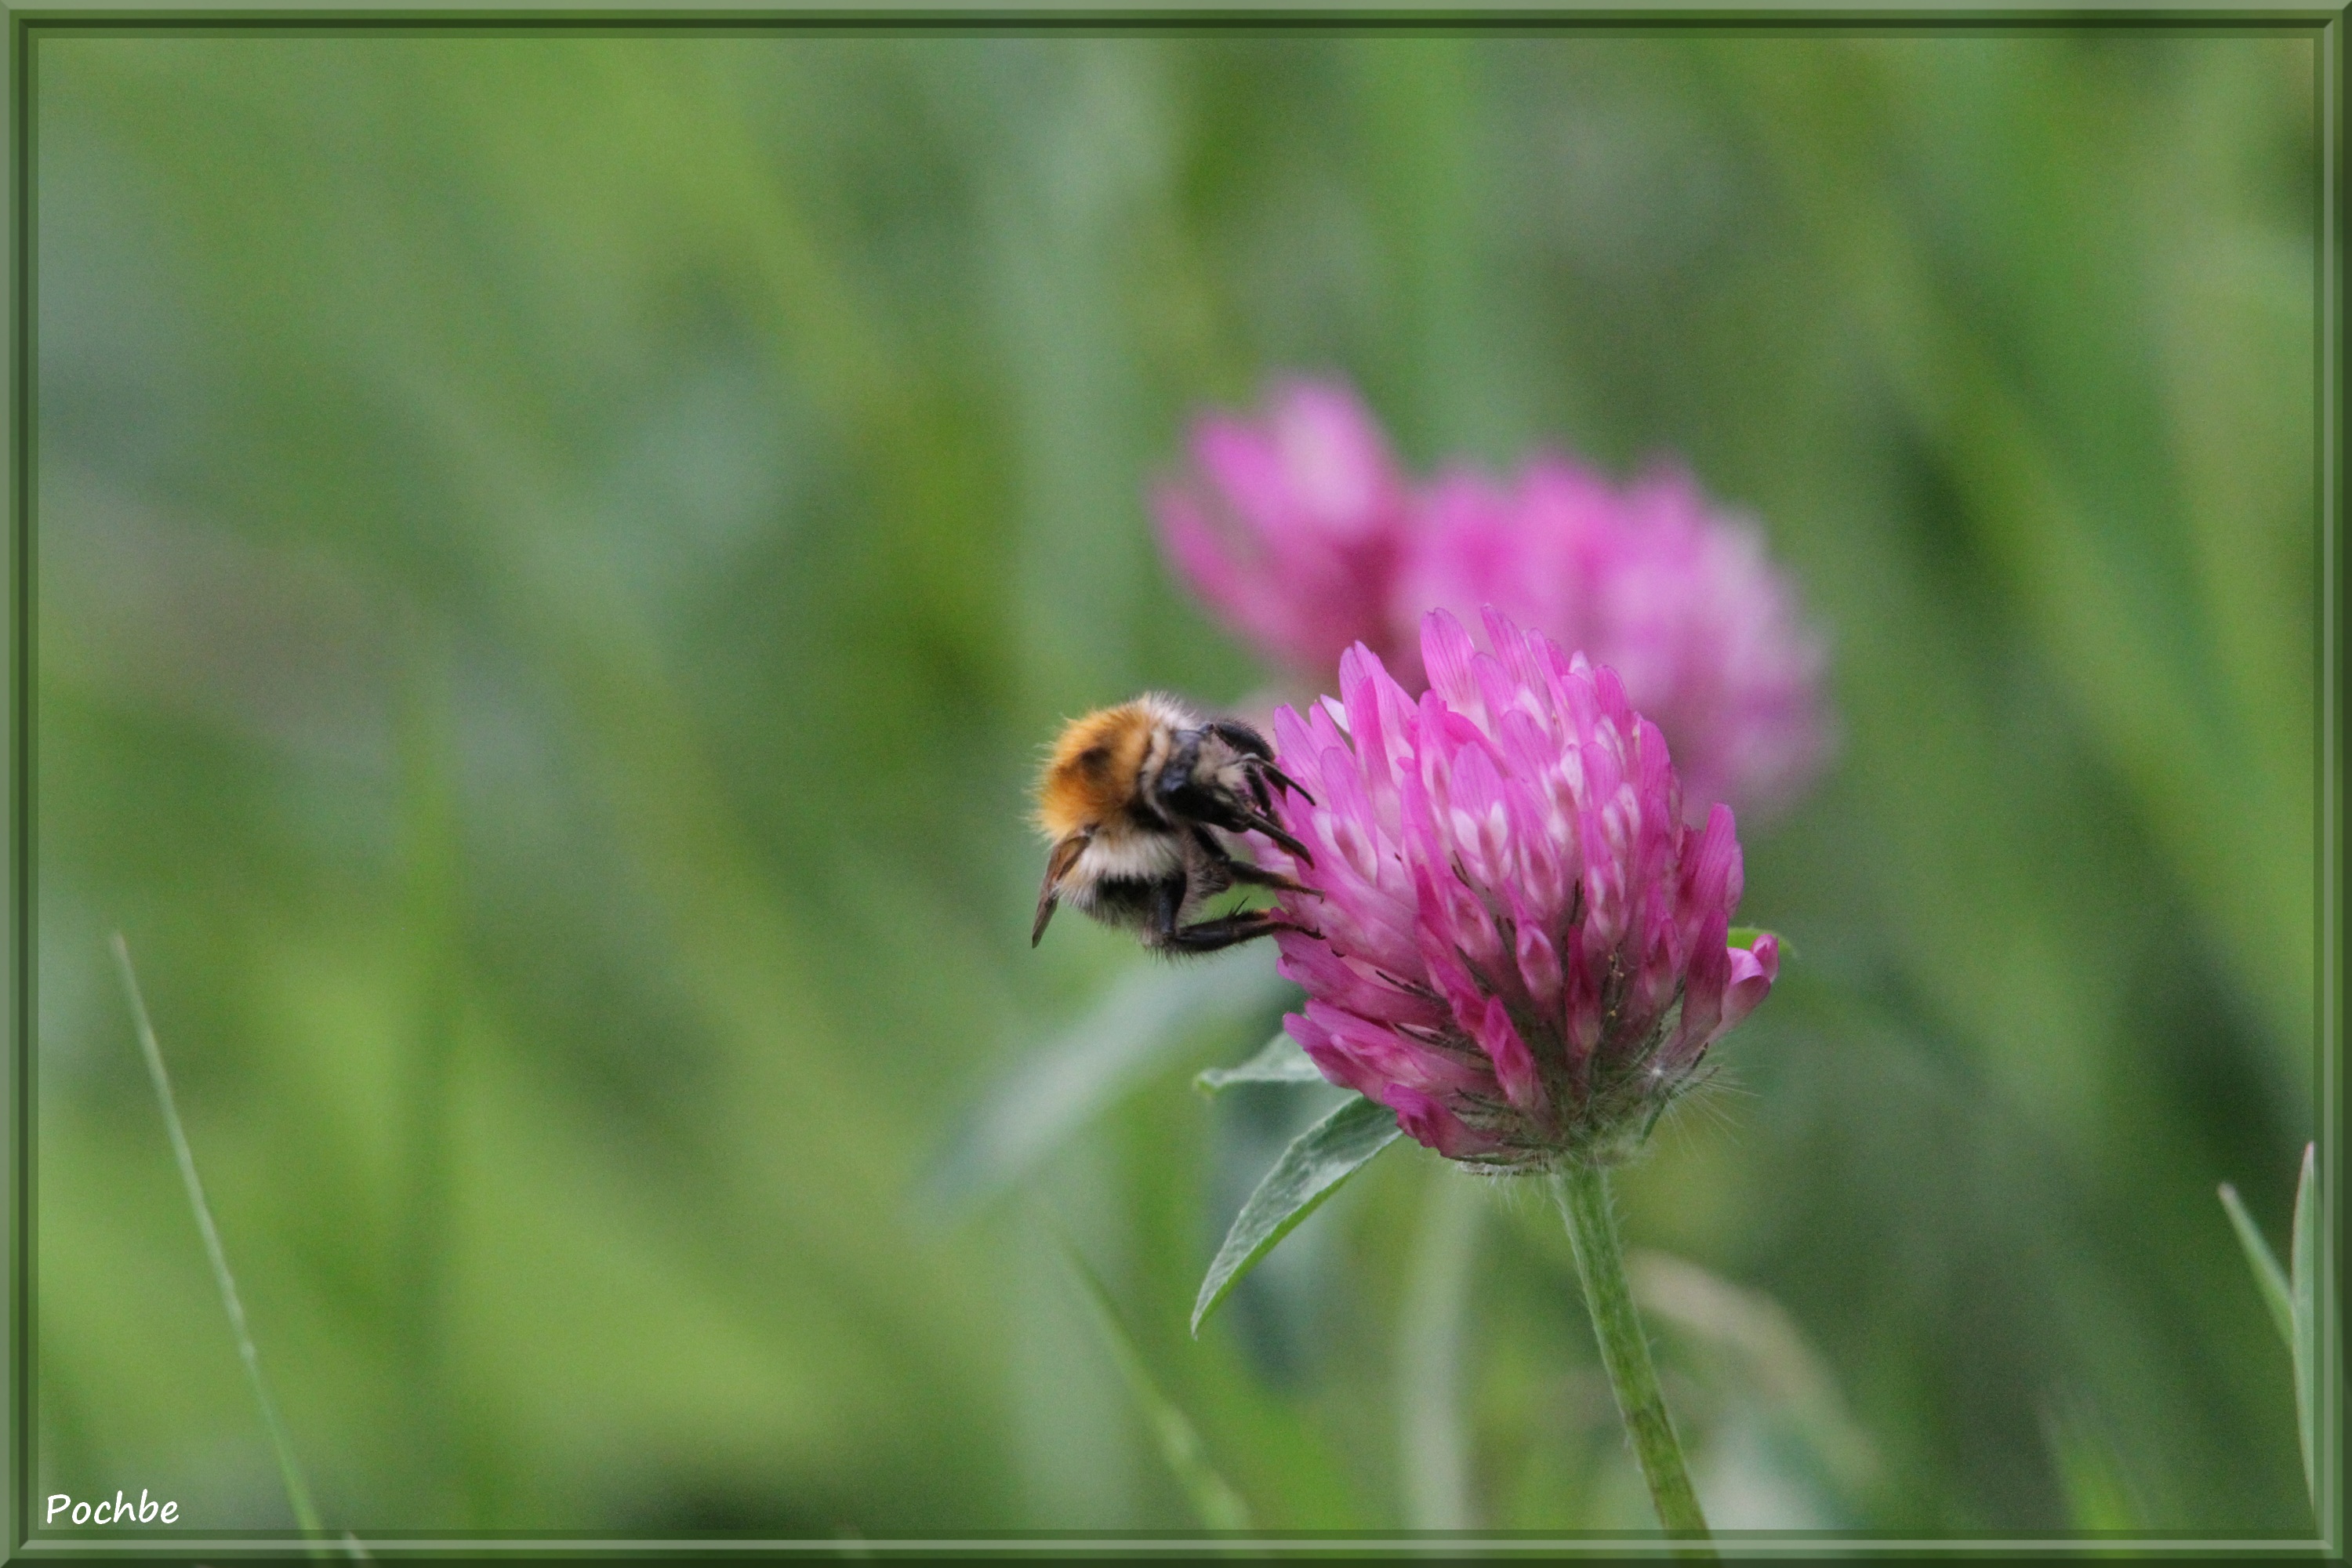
{"x":1123,"y":900}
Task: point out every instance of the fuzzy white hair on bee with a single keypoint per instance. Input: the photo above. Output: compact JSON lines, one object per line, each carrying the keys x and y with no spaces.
{"x":1136,"y":800}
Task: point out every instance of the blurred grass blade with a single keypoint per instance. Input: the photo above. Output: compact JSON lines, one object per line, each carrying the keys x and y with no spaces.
{"x":1148,"y":1013}
{"x":1214,"y":1498}
{"x":298,"y":1492}
{"x":1279,"y":1060}
{"x":2098,"y":1496}
{"x":2292,"y":1297}
{"x":2304,"y":1261}
{"x":2269,"y":1277}
{"x":1309,"y":1171}
{"x":1767,"y":1356}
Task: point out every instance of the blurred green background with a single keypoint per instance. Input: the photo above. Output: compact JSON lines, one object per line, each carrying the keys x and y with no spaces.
{"x":556,"y":555}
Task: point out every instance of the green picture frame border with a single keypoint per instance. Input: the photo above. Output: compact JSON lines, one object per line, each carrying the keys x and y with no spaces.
{"x":25,"y":25}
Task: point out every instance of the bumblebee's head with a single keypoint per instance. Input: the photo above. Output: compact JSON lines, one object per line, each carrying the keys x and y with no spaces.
{"x":1101,"y":764}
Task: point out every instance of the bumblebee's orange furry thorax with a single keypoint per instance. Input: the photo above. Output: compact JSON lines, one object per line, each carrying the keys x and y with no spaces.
{"x":1091,"y":776}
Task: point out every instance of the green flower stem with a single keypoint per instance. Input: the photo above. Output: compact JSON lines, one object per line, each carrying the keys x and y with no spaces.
{"x":1584,"y":1194}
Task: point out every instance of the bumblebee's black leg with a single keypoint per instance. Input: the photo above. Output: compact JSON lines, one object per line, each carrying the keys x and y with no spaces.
{"x":1265,"y":797}
{"x":1241,"y":738}
{"x":1274,"y":830}
{"x":1252,"y":744}
{"x":1259,"y":876}
{"x":1269,"y":771}
{"x":1167,"y":905}
{"x":1242,"y":870}
{"x":1213,"y":850}
{"x":1229,"y":931}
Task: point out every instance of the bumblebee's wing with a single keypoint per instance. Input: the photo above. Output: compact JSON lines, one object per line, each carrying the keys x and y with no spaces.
{"x":1065,"y":855}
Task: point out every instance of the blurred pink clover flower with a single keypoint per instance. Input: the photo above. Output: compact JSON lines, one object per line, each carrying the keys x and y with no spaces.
{"x":1292,"y":528}
{"x":1298,"y":532}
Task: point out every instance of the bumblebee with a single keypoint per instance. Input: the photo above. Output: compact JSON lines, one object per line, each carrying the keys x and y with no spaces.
{"x":1134,"y":798}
